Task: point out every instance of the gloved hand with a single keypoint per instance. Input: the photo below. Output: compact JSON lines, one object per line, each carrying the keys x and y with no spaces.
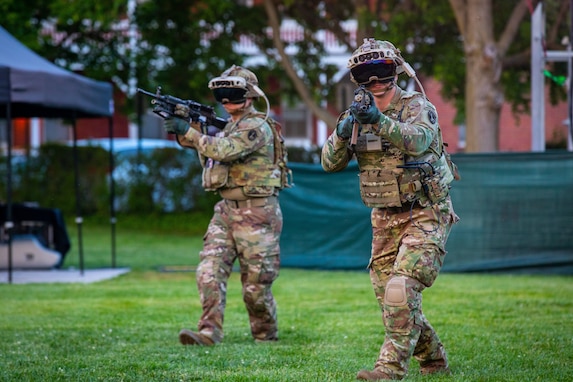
{"x":344,"y":127}
{"x":176,"y":126}
{"x":182,"y":111}
{"x":364,"y":110}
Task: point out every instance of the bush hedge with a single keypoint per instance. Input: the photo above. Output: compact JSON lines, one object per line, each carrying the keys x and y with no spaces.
{"x":162,"y":181}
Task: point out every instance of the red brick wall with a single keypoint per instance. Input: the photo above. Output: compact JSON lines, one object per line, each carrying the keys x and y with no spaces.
{"x":514,"y":131}
{"x":99,"y":127}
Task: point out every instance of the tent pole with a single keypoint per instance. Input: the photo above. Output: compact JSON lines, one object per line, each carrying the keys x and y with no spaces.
{"x":9,"y":224}
{"x":569,"y":86}
{"x":79,"y":219}
{"x":112,"y":218}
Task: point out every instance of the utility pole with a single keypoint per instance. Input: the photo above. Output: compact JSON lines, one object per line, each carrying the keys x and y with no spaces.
{"x":539,"y":57}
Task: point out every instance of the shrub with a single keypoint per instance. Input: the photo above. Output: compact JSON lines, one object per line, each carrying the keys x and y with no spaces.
{"x":164,"y":180}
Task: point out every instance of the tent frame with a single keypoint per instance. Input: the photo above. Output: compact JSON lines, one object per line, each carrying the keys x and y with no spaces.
{"x":31,"y":86}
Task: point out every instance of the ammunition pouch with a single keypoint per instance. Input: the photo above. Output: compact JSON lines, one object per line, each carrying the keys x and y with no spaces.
{"x":435,"y":175}
{"x":258,"y":191}
{"x":215,"y":176}
{"x":379,"y":189}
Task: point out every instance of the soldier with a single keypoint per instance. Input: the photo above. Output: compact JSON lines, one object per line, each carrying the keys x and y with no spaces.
{"x":405,"y":176}
{"x":246,"y":164}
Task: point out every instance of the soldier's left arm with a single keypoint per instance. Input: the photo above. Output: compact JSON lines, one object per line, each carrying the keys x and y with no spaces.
{"x":250,"y":136}
{"x":417,"y":132}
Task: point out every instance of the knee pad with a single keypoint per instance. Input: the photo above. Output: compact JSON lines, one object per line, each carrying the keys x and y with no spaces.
{"x":395,"y":294}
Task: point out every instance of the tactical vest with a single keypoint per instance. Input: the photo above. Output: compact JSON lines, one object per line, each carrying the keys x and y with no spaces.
{"x":389,"y":178}
{"x":259,"y":174}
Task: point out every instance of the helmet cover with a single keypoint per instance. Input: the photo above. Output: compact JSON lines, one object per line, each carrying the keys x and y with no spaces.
{"x":236,"y":77}
{"x":374,"y":60}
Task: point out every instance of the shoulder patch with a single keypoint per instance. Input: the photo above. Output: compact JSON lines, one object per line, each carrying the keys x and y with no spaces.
{"x":432,"y":117}
{"x":252,"y":135}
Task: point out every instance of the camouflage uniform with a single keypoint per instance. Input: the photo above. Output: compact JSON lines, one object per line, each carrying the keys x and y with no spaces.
{"x":409,"y":226}
{"x":246,"y":224}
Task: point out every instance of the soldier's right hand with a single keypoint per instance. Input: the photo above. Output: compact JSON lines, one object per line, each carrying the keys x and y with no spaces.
{"x":344,"y":127}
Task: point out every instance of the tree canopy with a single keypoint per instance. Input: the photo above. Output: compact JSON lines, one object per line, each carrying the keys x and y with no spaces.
{"x":477,"y":49}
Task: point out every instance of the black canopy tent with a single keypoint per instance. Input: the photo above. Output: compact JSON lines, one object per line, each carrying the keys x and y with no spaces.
{"x":31,"y":86}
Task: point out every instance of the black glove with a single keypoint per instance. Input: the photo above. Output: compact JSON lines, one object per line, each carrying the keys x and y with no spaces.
{"x":176,"y":126}
{"x":363,"y":108}
{"x":344,"y":127}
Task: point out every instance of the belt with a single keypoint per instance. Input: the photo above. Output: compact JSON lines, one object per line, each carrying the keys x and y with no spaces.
{"x":254,"y":202}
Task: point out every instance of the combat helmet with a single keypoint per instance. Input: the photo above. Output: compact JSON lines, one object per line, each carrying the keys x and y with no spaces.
{"x":375,"y":59}
{"x":235,"y":85}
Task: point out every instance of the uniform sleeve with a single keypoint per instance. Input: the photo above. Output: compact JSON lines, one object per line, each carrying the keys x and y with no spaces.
{"x":417,"y":132}
{"x":250,"y":136}
{"x":335,"y":153}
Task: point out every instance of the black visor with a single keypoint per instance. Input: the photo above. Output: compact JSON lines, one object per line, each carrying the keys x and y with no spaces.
{"x":229,"y":95}
{"x":380,"y":70}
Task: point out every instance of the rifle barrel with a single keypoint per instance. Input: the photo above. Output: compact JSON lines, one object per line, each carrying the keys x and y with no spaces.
{"x":139,"y":90}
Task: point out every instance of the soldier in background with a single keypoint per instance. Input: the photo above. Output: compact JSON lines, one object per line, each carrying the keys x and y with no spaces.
{"x":405,"y":176}
{"x":246,"y":164}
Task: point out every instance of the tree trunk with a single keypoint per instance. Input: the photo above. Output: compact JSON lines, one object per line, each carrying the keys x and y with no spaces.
{"x":484,"y":95}
{"x":287,"y":65}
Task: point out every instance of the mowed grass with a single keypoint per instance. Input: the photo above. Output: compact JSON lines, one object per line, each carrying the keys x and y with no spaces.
{"x":495,"y":327}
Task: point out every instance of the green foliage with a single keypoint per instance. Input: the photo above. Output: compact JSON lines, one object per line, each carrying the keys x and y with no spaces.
{"x":429,"y":40}
{"x":90,"y":37}
{"x":49,"y":179}
{"x":167,"y":180}
{"x":179,"y":60}
{"x":164,"y":180}
{"x":172,"y":53}
{"x":23,"y":20}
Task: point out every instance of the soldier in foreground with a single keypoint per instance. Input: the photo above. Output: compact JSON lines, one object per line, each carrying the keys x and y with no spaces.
{"x":246,"y":164}
{"x":405,"y":176}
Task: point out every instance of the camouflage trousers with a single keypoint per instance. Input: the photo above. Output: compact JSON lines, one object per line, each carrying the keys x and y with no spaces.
{"x":408,"y":250}
{"x":252,"y":236}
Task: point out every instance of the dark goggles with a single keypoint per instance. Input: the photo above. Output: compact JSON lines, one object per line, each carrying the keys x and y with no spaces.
{"x":230,"y":95}
{"x":377,"y":70}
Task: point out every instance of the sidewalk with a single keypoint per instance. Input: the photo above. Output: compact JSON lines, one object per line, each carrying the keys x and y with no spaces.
{"x":60,"y":275}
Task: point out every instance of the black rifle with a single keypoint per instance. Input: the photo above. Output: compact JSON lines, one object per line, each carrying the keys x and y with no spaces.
{"x":164,"y":106}
{"x":361,"y":99}
{"x":362,"y":104}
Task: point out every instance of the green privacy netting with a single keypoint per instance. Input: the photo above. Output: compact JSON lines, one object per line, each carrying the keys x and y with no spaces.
{"x":516,"y":213}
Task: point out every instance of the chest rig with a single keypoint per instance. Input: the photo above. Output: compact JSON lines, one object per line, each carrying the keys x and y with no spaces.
{"x":389,"y":178}
{"x":257,"y":174}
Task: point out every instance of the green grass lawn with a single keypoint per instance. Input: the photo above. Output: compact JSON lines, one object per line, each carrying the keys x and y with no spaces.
{"x":495,"y":328}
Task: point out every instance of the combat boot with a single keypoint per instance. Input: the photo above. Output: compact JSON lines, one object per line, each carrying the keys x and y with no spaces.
{"x":374,"y":375}
{"x":435,"y":368}
{"x":187,"y":337}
